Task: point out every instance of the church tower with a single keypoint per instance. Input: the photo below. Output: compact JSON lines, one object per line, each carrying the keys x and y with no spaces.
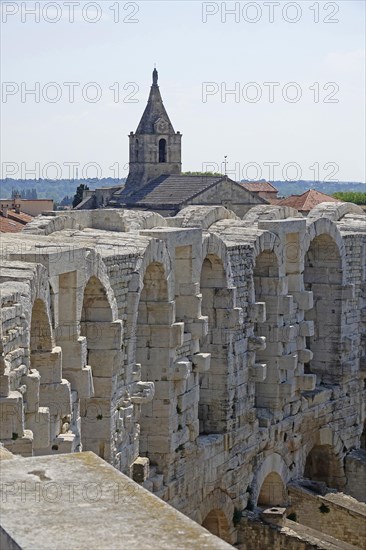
{"x":155,"y":148}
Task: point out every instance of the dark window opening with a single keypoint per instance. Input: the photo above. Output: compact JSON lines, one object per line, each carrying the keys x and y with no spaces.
{"x":137,"y":150}
{"x":162,"y":150}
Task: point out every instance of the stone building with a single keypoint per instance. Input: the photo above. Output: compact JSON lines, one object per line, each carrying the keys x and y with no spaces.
{"x":214,"y":359}
{"x":155,"y":180}
{"x":264,"y":189}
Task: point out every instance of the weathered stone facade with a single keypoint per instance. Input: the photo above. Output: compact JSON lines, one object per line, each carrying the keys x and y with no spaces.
{"x":215,"y":359}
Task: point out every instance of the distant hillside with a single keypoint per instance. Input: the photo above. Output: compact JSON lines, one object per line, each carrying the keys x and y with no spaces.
{"x":286,"y":188}
{"x":58,"y":189}
{"x":53,"y":189}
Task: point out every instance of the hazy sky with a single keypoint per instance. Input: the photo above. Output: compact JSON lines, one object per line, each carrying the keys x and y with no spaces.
{"x":310,"y":122}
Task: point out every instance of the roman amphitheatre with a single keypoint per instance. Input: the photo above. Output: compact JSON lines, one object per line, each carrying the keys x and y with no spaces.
{"x":210,"y":365}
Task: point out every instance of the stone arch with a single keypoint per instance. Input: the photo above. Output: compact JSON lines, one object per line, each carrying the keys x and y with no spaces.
{"x":41,"y":337}
{"x":324,"y":226}
{"x":46,"y":225}
{"x":216,"y":515}
{"x":216,"y":522}
{"x":218,"y":305}
{"x":323,"y":459}
{"x":272,"y":492}
{"x":96,"y":306}
{"x":72,"y":286}
{"x":266,"y":243}
{"x":325,"y":277}
{"x":102,"y":342}
{"x":96,"y":269}
{"x":334,"y":211}
{"x":155,"y":343}
{"x":265,"y":348}
{"x":204,"y":216}
{"x":155,"y":252}
{"x":272,"y":464}
{"x":119,"y":220}
{"x":270,"y":212}
{"x":49,"y":418}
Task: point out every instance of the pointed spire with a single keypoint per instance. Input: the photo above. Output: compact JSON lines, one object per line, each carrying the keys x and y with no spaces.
{"x":154,"y":112}
{"x":155,"y":77}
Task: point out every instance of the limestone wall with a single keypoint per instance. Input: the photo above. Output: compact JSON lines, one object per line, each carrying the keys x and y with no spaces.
{"x":337,"y":515}
{"x":254,"y":534}
{"x":355,"y":466}
{"x":214,"y":359}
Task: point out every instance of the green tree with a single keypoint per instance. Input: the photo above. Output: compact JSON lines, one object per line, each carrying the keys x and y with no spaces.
{"x":349,"y":196}
{"x":78,"y":197}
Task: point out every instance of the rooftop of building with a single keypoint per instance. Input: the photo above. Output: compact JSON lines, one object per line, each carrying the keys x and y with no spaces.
{"x":12,"y":221}
{"x":259,"y":186}
{"x":306,"y":201}
{"x":168,"y":191}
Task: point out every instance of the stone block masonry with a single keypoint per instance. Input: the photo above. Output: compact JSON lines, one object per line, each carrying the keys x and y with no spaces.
{"x":211,"y":358}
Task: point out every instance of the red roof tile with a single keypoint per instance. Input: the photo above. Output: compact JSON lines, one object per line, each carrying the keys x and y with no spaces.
{"x":10,"y":226}
{"x":21,"y":217}
{"x":306,"y":201}
{"x":14,"y":222}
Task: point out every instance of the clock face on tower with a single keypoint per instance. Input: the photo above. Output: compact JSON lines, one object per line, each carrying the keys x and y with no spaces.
{"x":161,"y":126}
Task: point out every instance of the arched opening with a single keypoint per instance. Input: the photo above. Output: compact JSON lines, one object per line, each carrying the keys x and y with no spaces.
{"x":216,"y":522}
{"x":212,"y":414}
{"x":273,"y":491}
{"x":103,"y":340}
{"x":51,"y":416}
{"x":266,"y":289}
{"x":40,"y":333}
{"x":162,"y":150}
{"x":155,"y":317}
{"x":137,"y":150}
{"x":323,"y":276}
{"x":322,"y":464}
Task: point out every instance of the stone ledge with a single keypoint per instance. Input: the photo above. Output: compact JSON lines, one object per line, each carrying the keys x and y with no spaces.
{"x":107,"y":509}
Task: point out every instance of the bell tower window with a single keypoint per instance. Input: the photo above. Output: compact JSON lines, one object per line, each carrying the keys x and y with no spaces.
{"x":162,"y":150}
{"x":137,"y":150}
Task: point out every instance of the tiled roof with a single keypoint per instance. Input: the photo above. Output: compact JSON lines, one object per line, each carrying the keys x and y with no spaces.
{"x":259,"y":186}
{"x":10,"y":226}
{"x":167,"y":190}
{"x":307,"y":200}
{"x":14,"y":222}
{"x":21,"y":217}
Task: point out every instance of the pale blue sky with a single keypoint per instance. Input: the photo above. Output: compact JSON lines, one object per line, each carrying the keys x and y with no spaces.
{"x":188,"y":53}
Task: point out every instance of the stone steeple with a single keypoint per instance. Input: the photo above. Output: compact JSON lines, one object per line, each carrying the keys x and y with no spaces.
{"x":155,"y":147}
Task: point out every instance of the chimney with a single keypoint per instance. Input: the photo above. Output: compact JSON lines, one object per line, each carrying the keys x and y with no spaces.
{"x":4,"y":211}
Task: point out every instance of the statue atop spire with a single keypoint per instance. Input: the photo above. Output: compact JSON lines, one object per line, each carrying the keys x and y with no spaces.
{"x":155,"y":77}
